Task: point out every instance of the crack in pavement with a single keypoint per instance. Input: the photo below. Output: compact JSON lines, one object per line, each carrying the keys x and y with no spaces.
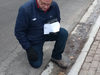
{"x":5,"y":64}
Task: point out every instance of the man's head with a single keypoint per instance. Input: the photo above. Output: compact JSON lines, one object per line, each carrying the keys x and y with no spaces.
{"x":44,"y":4}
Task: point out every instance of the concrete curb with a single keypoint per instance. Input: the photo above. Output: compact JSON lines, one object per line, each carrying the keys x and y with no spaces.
{"x":76,"y":67}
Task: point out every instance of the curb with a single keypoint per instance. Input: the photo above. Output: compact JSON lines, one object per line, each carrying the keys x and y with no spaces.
{"x":77,"y":66}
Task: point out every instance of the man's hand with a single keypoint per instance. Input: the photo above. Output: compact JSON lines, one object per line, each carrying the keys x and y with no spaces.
{"x":32,"y":54}
{"x":52,"y":34}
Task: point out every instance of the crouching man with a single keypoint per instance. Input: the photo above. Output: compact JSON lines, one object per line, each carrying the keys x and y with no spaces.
{"x":34,"y":25}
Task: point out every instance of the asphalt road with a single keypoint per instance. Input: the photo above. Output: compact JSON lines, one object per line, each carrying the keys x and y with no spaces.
{"x":13,"y":59}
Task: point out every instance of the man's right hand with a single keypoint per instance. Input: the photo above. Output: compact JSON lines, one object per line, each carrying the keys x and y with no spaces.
{"x":32,"y":54}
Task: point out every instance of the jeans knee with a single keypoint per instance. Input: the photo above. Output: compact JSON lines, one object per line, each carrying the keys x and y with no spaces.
{"x":36,"y":65}
{"x":64,"y":32}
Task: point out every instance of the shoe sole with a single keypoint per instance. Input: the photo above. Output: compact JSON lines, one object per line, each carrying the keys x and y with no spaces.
{"x":58,"y":64}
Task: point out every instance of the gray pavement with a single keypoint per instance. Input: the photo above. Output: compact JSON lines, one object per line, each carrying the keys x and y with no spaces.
{"x":13,"y":59}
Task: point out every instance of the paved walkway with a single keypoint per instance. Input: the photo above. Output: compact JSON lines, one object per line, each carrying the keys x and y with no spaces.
{"x":91,"y":65}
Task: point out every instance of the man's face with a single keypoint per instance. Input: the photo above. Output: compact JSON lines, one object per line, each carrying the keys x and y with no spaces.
{"x":44,"y":4}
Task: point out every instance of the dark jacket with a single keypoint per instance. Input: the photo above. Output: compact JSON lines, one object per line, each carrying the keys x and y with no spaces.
{"x":30,"y":22}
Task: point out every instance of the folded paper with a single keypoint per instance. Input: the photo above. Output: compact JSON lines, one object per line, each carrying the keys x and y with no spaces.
{"x":53,"y":27}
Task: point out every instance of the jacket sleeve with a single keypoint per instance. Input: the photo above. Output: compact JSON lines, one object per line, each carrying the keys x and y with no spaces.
{"x":21,"y":27}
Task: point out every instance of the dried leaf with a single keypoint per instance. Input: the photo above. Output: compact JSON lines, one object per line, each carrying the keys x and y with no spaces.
{"x":86,"y":30}
{"x":79,"y":38}
{"x":61,"y":73}
{"x":71,"y":57}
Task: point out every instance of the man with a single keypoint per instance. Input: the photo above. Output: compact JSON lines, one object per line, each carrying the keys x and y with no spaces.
{"x":29,"y":30}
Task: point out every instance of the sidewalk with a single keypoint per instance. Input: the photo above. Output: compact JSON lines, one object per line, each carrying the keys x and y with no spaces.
{"x":91,"y":65}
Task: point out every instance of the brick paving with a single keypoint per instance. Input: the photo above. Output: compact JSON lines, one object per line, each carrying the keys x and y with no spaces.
{"x":91,"y":65}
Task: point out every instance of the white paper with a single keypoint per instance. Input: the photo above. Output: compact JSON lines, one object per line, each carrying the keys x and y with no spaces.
{"x":54,"y":27}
